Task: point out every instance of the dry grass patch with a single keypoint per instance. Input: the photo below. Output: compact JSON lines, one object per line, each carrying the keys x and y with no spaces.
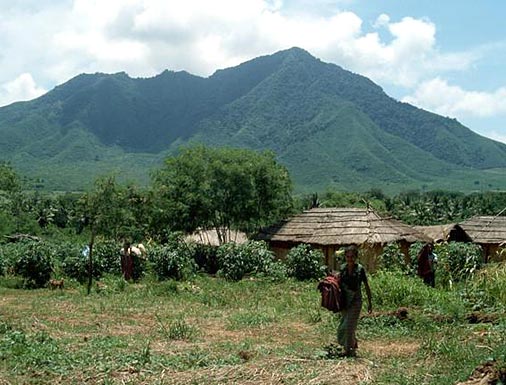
{"x":390,"y":349}
{"x":276,"y":371}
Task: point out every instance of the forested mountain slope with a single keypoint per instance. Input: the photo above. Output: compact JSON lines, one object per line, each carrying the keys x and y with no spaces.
{"x":330,"y":127}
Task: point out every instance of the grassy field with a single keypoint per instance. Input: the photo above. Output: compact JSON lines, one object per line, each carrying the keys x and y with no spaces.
{"x":210,"y":331}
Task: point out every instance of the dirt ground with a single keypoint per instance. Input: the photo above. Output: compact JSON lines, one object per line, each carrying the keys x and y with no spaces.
{"x":488,"y":373}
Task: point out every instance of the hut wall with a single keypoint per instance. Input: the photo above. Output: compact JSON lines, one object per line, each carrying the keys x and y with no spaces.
{"x":404,"y":246}
{"x":493,"y":252}
{"x":280,"y":249}
{"x":368,"y":256}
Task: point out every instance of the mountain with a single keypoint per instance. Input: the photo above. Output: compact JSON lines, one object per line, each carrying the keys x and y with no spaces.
{"x":330,"y":127}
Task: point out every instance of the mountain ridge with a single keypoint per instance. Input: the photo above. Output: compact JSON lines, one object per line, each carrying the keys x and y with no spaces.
{"x":329,"y":126}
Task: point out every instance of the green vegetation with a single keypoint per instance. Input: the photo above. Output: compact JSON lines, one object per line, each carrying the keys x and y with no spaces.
{"x":257,"y":319}
{"x":221,"y":189}
{"x":209,"y":330}
{"x":329,"y":127}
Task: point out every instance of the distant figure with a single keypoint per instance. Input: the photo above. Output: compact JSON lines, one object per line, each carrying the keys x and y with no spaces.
{"x":127,"y":261}
{"x":352,"y":274}
{"x":85,"y":252}
{"x":427,"y":262}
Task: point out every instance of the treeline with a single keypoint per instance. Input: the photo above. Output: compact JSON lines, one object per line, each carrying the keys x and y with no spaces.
{"x":218,"y":189}
{"x":201,"y":188}
{"x":416,"y":207}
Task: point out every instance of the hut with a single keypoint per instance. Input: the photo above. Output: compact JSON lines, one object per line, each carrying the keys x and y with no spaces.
{"x":210,"y":237}
{"x":445,"y":233}
{"x":489,"y":232}
{"x":330,"y":229}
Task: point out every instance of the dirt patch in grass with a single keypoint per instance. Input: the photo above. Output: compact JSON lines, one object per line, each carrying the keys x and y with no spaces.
{"x":479,"y":317}
{"x":488,"y":373}
{"x":388,"y":349}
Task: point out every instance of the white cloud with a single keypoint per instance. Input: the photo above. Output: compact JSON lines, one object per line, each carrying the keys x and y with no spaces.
{"x":21,"y":88}
{"x":500,"y":136}
{"x":438,"y":96}
{"x":382,"y":20}
{"x":144,"y":37}
{"x":137,"y":35}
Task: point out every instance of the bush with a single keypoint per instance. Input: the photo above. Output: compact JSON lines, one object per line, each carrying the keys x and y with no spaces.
{"x":394,"y":289}
{"x":34,"y":263}
{"x":253,"y":257}
{"x":3,"y":262}
{"x":457,"y":261}
{"x":392,"y":259}
{"x":107,"y":258}
{"x":486,"y":288}
{"x":173,"y":260}
{"x":9,"y":253}
{"x":305,"y":263}
{"x":70,"y":261}
{"x":205,"y":258}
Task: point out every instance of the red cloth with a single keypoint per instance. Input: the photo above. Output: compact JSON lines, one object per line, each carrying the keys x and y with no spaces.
{"x":332,"y":298}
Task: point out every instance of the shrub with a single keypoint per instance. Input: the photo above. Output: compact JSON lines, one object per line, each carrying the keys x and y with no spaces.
{"x":305,"y":263}
{"x":106,"y":258}
{"x":73,"y":263}
{"x":173,"y":260}
{"x":9,"y":253}
{"x":457,"y":261}
{"x":392,"y":259}
{"x":34,"y":263}
{"x":486,"y":288}
{"x":253,"y":257}
{"x":205,"y":258}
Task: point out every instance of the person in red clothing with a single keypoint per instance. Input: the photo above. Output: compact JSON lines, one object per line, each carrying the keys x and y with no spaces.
{"x":427,"y":261}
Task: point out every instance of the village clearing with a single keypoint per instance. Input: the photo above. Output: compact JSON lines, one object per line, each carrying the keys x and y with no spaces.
{"x":255,"y":331}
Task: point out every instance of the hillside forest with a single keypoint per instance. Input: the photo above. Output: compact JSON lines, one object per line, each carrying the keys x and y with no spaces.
{"x":331,"y":128}
{"x":248,"y":189}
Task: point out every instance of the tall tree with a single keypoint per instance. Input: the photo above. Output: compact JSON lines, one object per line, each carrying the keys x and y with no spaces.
{"x":105,"y":212}
{"x":221,"y":188}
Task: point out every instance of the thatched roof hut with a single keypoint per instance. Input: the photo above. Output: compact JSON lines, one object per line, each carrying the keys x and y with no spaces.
{"x":210,"y":237}
{"x":329,"y":229}
{"x":489,"y":232}
{"x":445,"y":233}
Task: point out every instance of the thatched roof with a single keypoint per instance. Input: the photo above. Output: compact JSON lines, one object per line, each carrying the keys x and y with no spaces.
{"x":486,"y":229}
{"x":210,"y":237}
{"x":341,"y":226}
{"x":441,"y":233}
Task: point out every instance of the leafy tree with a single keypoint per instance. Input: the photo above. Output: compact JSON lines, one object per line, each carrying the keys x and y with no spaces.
{"x":9,"y":180}
{"x":105,"y":212}
{"x":221,"y":188}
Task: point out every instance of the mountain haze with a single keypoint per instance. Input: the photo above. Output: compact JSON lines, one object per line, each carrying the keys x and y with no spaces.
{"x":330,"y":127}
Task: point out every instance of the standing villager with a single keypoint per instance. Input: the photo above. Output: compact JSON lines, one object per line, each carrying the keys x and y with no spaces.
{"x":427,"y":261}
{"x":127,"y":262}
{"x":352,"y":275}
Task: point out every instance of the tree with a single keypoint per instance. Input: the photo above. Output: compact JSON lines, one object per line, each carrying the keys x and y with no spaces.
{"x":13,"y":213}
{"x":105,"y":212}
{"x":222,"y":189}
{"x":9,"y":180}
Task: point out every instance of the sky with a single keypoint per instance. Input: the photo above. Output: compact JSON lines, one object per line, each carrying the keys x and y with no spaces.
{"x":448,"y":56}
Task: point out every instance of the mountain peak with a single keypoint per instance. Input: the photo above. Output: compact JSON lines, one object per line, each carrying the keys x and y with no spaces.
{"x":327,"y":125}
